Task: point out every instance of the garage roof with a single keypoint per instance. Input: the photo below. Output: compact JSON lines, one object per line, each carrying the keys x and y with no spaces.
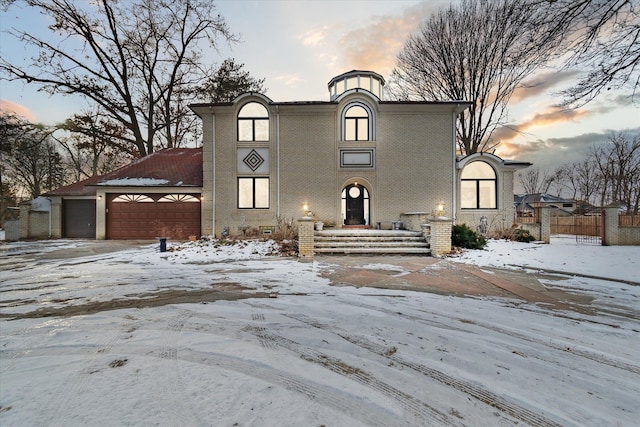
{"x":171,"y":167}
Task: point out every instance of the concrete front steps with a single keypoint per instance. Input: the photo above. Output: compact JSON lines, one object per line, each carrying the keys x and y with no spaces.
{"x":378,"y":242}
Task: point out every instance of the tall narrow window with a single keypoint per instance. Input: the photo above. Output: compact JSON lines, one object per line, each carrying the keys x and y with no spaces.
{"x":357,"y":124}
{"x":253,"y":193}
{"x":253,"y":122}
{"x":478,"y":186}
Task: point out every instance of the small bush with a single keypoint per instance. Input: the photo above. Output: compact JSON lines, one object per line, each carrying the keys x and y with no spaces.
{"x":521,"y":235}
{"x":464,"y":237}
{"x":499,"y":233}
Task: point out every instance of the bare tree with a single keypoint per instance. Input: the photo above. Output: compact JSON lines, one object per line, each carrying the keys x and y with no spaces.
{"x":135,"y":59}
{"x":478,"y":51}
{"x":581,"y":179}
{"x":11,"y":127}
{"x":533,"y":181}
{"x":618,"y":165}
{"x":604,"y":37}
{"x":92,"y":145}
{"x":34,"y":162}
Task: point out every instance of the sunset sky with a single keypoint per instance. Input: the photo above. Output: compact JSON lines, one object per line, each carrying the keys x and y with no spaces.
{"x":298,"y":46}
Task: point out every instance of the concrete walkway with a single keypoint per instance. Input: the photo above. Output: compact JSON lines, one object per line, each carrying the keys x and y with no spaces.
{"x":442,"y":276}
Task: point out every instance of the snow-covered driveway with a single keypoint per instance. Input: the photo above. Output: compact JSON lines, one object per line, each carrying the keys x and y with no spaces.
{"x":109,"y":351}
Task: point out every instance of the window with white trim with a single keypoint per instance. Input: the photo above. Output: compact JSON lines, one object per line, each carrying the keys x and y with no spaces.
{"x":253,"y":122}
{"x":478,"y":186}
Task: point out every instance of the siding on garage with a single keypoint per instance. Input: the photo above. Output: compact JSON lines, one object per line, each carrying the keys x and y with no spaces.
{"x":149,"y":216}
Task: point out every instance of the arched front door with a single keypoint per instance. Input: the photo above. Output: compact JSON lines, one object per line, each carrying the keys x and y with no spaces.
{"x":355,"y":205}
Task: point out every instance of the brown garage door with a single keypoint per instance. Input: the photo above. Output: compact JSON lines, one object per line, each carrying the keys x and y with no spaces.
{"x":148,"y":216}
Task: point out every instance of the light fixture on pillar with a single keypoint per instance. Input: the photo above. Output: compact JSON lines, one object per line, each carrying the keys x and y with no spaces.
{"x":440,"y":208}
{"x":305,"y":209}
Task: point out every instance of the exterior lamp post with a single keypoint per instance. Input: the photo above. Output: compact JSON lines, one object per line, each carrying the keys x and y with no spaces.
{"x":440,"y":208}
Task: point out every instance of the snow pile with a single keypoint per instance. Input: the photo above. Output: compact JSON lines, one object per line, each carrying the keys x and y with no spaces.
{"x":208,"y":248}
{"x":136,"y":182}
{"x":563,"y":254}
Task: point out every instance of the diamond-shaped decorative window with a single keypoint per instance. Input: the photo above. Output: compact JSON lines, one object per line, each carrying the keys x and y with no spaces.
{"x":253,"y":160}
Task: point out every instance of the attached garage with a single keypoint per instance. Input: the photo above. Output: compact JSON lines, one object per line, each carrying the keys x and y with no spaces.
{"x":148,"y":216}
{"x":154,"y":196}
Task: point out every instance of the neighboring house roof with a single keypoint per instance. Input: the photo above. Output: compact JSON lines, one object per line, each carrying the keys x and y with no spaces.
{"x":172,"y":167}
{"x":524,"y":202}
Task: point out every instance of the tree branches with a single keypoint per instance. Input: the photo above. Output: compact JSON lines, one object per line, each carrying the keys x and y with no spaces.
{"x":134,"y":59}
{"x":478,"y":51}
{"x":604,"y":40}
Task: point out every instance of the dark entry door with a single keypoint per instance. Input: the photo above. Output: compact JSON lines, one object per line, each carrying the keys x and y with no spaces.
{"x":354,"y":195}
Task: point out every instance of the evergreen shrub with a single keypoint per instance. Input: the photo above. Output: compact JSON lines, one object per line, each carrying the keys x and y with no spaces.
{"x":464,"y":237}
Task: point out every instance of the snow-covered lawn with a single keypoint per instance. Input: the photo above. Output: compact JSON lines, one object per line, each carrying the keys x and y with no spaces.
{"x":137,"y":337}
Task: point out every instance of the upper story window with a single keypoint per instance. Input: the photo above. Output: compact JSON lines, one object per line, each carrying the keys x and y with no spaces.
{"x":355,"y":79}
{"x":357,"y":123}
{"x":253,"y":122}
{"x":478,"y":186}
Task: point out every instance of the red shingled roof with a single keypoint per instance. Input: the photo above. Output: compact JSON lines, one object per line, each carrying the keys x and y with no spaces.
{"x":80,"y":188}
{"x":172,"y":167}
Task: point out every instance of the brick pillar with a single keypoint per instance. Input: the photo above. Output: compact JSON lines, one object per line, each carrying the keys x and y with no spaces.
{"x":305,"y":237}
{"x":440,"y":235}
{"x":545,"y":223}
{"x":610,"y":228}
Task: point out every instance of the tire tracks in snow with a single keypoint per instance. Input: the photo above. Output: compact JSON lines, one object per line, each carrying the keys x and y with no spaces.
{"x":324,"y":395}
{"x":328,"y":396}
{"x":546,"y":342}
{"x":72,"y":390}
{"x":473,"y":390}
{"x":173,"y":387}
{"x":417,"y":411}
{"x":423,"y":411}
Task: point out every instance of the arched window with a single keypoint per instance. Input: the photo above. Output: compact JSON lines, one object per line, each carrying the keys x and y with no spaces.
{"x":171,"y":198}
{"x":137,"y":198}
{"x":253,"y":122}
{"x":478,"y":186}
{"x":357,"y":123}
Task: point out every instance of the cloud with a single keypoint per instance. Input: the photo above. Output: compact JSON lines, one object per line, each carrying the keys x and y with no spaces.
{"x":17,"y":109}
{"x":289,"y":79}
{"x":540,"y":84}
{"x":315,"y":37}
{"x":512,"y":149}
{"x":551,"y":153}
{"x":375,"y":46}
{"x":551,"y":116}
